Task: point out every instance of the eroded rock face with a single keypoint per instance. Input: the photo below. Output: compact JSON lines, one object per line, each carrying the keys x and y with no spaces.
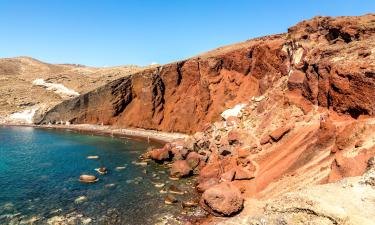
{"x":328,"y":60}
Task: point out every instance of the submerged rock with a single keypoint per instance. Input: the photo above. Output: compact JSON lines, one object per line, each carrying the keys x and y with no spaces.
{"x":175,"y":190}
{"x":190,"y":203}
{"x":80,"y":199}
{"x":170,"y":199}
{"x":120,"y":168}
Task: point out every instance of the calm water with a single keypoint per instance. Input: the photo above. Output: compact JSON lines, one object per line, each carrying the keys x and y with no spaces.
{"x":39,"y":171}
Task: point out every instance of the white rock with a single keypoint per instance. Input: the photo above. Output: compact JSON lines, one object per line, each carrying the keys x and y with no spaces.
{"x":25,"y":116}
{"x":57,"y":88}
{"x":235,"y":111}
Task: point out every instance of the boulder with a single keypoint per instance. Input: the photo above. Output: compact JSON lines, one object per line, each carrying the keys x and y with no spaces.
{"x":161,"y":154}
{"x":222,"y":200}
{"x":193,"y":159}
{"x":243,"y":174}
{"x":88,"y":178}
{"x":265,"y":139}
{"x":233,"y":137}
{"x":277,"y":134}
{"x":211,"y":170}
{"x":180,"y":168}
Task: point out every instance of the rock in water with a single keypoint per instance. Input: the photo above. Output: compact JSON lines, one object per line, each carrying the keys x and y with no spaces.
{"x":180,"y":168}
{"x":101,"y":170}
{"x":222,"y":200}
{"x":160,"y":155}
{"x":88,"y":178}
{"x":170,"y":199}
{"x":193,"y":159}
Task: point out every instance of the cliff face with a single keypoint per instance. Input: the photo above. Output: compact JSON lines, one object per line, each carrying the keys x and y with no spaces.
{"x":329,"y":61}
{"x":181,"y":96}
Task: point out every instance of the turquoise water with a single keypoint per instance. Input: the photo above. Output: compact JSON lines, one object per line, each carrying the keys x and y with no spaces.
{"x":39,"y":171}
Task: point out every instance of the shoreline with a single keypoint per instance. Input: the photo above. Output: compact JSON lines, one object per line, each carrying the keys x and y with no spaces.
{"x":158,"y":137}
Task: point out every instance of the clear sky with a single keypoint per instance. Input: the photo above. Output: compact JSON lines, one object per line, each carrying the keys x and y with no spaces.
{"x":110,"y":32}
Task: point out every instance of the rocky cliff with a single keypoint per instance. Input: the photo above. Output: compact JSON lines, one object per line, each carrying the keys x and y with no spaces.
{"x":328,"y":60}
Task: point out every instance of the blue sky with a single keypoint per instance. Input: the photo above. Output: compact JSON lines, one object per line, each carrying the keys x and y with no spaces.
{"x":110,"y":32}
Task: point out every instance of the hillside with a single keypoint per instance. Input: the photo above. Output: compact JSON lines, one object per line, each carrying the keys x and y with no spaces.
{"x":26,"y":83}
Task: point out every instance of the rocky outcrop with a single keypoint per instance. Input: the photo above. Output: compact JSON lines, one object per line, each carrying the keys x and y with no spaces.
{"x":349,"y":202}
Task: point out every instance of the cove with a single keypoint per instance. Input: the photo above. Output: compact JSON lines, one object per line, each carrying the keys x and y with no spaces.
{"x":39,"y":172}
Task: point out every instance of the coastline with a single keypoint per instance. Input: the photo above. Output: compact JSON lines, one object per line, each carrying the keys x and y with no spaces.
{"x":158,"y":137}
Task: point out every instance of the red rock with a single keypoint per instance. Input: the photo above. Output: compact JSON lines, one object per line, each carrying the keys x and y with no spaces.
{"x":265,"y":139}
{"x":327,"y":133}
{"x":233,"y":137}
{"x":211,"y":170}
{"x":183,"y":96}
{"x":296,"y":80}
{"x":193,"y":159}
{"x":243,"y":174}
{"x":228,"y":176}
{"x":206,"y":184}
{"x":232,"y":121}
{"x":180,"y":168}
{"x":277,"y":134}
{"x":243,"y":153}
{"x":222,"y":200}
{"x":161,"y":154}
